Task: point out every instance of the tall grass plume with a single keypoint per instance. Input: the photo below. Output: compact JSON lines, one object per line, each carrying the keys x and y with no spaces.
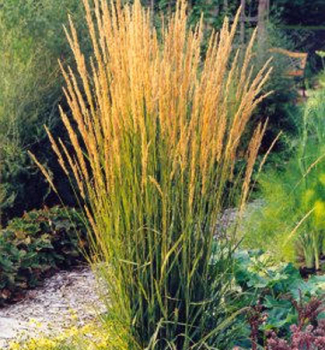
{"x":155,"y":131}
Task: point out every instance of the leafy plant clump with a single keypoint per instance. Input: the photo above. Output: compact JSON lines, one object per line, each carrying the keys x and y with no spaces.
{"x":307,"y":333}
{"x":261,"y":281}
{"x":37,"y":245}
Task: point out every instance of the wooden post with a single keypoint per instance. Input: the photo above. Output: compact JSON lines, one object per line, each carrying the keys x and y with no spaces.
{"x":261,"y":21}
{"x":225,"y":5}
{"x":242,"y":22}
{"x":216,"y":9}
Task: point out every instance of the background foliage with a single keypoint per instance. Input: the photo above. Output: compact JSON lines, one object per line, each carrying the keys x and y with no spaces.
{"x":32,"y":40}
{"x":293,"y":190}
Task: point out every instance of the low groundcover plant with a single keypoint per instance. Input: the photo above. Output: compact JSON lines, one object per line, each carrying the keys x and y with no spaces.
{"x":92,"y":336}
{"x":155,"y":129}
{"x":37,"y":245}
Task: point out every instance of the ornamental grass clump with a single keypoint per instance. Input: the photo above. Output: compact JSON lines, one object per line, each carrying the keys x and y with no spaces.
{"x":155,"y":131}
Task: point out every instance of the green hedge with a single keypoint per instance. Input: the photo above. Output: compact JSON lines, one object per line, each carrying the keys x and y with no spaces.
{"x":37,"y":245}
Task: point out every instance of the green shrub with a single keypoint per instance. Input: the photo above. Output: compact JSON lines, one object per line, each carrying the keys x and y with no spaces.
{"x":35,"y":246}
{"x":31,"y":41}
{"x":280,"y":108}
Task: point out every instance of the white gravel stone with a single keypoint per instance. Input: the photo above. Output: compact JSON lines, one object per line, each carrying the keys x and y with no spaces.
{"x":67,"y":298}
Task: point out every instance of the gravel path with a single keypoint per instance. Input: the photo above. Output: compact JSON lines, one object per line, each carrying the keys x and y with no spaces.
{"x":69,"y":297}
